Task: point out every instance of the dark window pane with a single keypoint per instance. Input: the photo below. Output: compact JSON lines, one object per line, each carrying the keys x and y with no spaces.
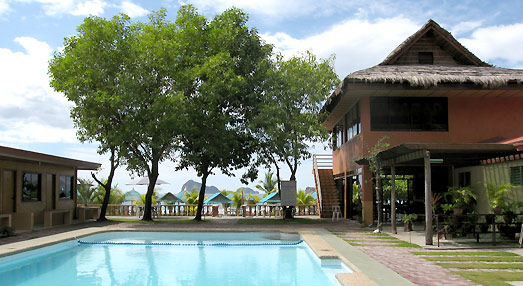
{"x":516,"y":176}
{"x":426,"y":58}
{"x":31,"y":188}
{"x":66,"y":187}
{"x":409,"y":113}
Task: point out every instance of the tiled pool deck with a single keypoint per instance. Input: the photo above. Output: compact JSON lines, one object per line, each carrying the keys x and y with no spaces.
{"x":374,"y":265}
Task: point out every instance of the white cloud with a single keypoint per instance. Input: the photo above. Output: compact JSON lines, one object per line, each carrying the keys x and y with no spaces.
{"x":498,"y":43}
{"x":357,"y":43}
{"x":465,"y":27}
{"x":93,"y":7}
{"x":56,"y":7}
{"x":4,"y":7}
{"x":31,"y":111}
{"x":276,"y":8}
{"x":132,"y":10}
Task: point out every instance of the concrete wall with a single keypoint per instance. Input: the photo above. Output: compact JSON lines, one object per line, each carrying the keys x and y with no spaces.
{"x":49,"y":189}
{"x":497,"y":174}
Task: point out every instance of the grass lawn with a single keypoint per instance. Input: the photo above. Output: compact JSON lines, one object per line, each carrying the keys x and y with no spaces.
{"x":482,"y":265}
{"x":384,"y":238}
{"x":491,"y":278}
{"x":476,"y":258}
{"x":251,"y":221}
{"x":476,"y":253}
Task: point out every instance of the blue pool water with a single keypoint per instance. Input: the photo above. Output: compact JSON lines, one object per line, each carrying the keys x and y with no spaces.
{"x":137,"y":258}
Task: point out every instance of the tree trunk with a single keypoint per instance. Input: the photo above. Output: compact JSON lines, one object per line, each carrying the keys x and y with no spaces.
{"x":201,"y":197}
{"x":278,"y":177}
{"x":379,"y":196}
{"x":107,"y":186}
{"x":153,"y":176}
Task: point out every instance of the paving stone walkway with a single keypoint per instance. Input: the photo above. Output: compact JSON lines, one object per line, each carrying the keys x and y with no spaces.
{"x":400,"y":259}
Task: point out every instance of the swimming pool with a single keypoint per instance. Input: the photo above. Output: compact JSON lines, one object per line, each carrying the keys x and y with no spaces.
{"x":173,"y":258}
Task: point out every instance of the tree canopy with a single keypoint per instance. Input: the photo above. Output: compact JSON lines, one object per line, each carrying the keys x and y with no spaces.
{"x":207,"y":93}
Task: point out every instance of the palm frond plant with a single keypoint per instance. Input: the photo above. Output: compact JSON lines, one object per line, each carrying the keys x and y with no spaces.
{"x":304,"y":198}
{"x":268,"y":184}
{"x":497,"y":195}
{"x":86,"y":192}
{"x":237,"y":199}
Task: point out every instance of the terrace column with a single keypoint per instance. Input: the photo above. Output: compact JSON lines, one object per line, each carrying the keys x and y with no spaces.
{"x":428,"y":197}
{"x":393,"y":199}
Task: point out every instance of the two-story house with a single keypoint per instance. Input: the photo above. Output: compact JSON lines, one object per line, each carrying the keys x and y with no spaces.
{"x":430,"y":94}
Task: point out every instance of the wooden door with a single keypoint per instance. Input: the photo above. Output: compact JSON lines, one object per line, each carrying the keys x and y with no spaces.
{"x":50,"y":192}
{"x":8,"y":192}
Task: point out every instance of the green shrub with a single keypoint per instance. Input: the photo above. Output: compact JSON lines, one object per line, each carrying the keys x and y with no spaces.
{"x":7,"y":231}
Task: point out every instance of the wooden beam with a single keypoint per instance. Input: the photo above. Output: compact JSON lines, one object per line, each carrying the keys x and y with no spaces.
{"x":393,"y":199}
{"x":403,"y":158}
{"x":428,"y":198}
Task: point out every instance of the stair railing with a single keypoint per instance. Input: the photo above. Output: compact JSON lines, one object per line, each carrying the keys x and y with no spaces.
{"x":320,"y":161}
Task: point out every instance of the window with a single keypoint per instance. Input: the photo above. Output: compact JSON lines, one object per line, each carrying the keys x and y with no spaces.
{"x":31,"y":187}
{"x":66,"y":187}
{"x":464,"y":179}
{"x":426,"y":58}
{"x":516,"y":176}
{"x":352,"y":122}
{"x":409,"y":113}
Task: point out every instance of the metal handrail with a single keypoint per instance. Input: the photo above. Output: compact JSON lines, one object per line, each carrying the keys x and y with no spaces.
{"x":320,"y":161}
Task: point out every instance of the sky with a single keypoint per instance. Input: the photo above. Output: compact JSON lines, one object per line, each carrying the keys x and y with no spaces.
{"x":359,"y":33}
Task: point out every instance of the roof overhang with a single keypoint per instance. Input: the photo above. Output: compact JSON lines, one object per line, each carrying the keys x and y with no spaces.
{"x":446,"y":154}
{"x":19,"y":155}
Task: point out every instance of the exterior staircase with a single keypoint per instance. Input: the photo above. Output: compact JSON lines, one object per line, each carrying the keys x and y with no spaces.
{"x":325,"y":187}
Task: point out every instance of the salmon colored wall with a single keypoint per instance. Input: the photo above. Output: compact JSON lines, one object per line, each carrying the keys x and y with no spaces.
{"x":471,"y":120}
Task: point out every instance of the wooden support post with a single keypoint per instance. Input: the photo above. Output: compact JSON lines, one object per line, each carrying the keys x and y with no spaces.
{"x":393,"y":199}
{"x":379,"y":196}
{"x":428,"y":197}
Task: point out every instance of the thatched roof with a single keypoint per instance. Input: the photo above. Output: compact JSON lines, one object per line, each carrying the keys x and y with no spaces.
{"x":443,"y":38}
{"x":430,"y":75}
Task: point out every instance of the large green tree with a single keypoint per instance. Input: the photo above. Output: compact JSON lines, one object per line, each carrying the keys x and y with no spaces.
{"x":88,"y":72}
{"x":126,"y":81}
{"x":288,"y":123}
{"x":223,"y":97}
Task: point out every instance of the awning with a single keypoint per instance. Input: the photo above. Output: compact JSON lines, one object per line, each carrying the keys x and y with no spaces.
{"x":271,"y":198}
{"x":169,"y":197}
{"x":218,"y":198}
{"x":446,"y":154}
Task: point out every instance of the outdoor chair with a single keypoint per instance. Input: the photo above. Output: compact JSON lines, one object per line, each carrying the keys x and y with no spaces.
{"x":336,"y":212}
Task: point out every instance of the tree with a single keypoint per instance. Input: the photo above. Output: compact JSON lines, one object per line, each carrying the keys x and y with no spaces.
{"x":376,"y":170}
{"x":222,"y":97}
{"x":304,"y":198}
{"x":86,"y":192}
{"x":268,"y":185}
{"x":237,"y":199}
{"x":88,"y":72}
{"x":288,"y":121}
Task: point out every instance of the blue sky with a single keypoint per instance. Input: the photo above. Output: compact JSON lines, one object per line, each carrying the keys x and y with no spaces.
{"x":360,"y":33}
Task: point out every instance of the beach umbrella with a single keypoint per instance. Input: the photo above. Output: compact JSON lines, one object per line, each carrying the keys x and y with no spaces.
{"x":145,"y":181}
{"x":218,"y":198}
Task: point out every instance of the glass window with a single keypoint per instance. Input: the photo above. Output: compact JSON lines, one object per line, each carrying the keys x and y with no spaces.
{"x":464,"y":179}
{"x":66,"y":187}
{"x":31,"y":187}
{"x":409,"y":113}
{"x":516,"y":176}
{"x":426,"y":58}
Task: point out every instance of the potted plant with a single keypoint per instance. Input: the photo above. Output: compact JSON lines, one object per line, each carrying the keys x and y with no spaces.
{"x":461,"y":197}
{"x":497,"y":196}
{"x":407,"y":220}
